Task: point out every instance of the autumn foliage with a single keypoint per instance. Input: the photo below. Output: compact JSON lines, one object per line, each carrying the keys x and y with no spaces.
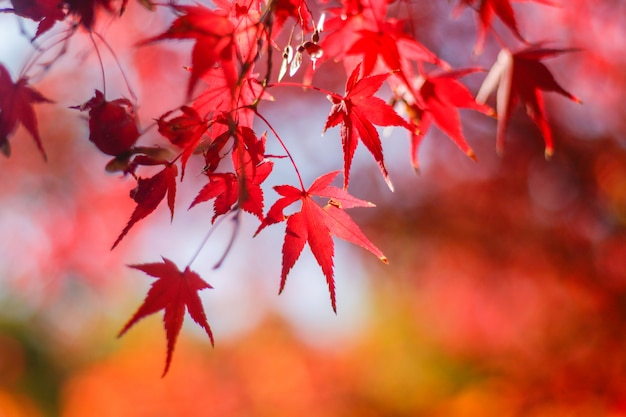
{"x":243,"y":51}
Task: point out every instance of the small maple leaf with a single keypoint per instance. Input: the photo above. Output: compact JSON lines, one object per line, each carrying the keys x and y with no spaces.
{"x":214,"y":36}
{"x":440,"y":96}
{"x":315,"y":225}
{"x":358,"y":111}
{"x":487,"y":9}
{"x":520,"y":76}
{"x":16,"y":106}
{"x":174,"y":291}
{"x":149,"y":194}
{"x":243,"y":186}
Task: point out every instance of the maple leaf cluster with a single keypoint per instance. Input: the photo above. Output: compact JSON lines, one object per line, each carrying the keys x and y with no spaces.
{"x":232,"y":72}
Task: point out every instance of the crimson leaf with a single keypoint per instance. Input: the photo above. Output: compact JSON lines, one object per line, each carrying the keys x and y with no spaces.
{"x":315,"y":225}
{"x":174,"y":291}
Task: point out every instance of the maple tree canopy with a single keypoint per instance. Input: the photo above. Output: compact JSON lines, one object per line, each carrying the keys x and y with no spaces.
{"x":241,"y":52}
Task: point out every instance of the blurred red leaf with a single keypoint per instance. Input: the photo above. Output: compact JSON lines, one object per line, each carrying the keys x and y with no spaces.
{"x":174,"y":291}
{"x":16,"y":106}
{"x":487,"y":9}
{"x":214,"y":36}
{"x":520,"y":76}
{"x":46,"y":12}
{"x":440,"y":96}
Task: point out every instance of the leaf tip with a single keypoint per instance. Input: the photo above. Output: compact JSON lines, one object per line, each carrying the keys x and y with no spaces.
{"x":384,"y":260}
{"x":548,"y":153}
{"x":389,"y":184}
{"x":470,"y":153}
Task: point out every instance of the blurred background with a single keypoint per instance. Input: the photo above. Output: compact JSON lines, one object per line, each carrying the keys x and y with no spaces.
{"x":506,"y":289}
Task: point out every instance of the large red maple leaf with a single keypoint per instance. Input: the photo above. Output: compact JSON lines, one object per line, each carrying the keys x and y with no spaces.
{"x":16,"y":106}
{"x":315,"y":225}
{"x":521,"y":77}
{"x":357,"y":112}
{"x":174,"y":291}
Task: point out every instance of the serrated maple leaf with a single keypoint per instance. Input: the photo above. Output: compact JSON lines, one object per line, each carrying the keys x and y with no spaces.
{"x":520,"y":76}
{"x":16,"y":106}
{"x":174,"y":291}
{"x":357,"y":112}
{"x":214,"y":35}
{"x":148,"y":195}
{"x":440,"y":97}
{"x":486,"y":9}
{"x":244,"y":186}
{"x":316,"y":225}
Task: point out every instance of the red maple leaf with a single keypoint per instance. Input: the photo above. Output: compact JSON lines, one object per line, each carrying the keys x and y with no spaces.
{"x":46,"y":12}
{"x":243,"y":186}
{"x":174,"y":291}
{"x":148,"y":195}
{"x":184,"y":131}
{"x":486,"y":9}
{"x":520,"y":76}
{"x":358,"y":111}
{"x":440,"y":96}
{"x":315,"y":225}
{"x":16,"y":106}
{"x":218,"y":97}
{"x":214,"y":36}
{"x":389,"y":46}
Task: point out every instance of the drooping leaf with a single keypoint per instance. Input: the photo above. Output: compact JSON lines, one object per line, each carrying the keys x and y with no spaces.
{"x":148,"y":195}
{"x":357,"y":112}
{"x":16,"y":106}
{"x":112,"y":124}
{"x":440,"y":97}
{"x":522,"y":77}
{"x":316,"y":225}
{"x":214,"y":36}
{"x":174,"y":292}
{"x":486,"y":10}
